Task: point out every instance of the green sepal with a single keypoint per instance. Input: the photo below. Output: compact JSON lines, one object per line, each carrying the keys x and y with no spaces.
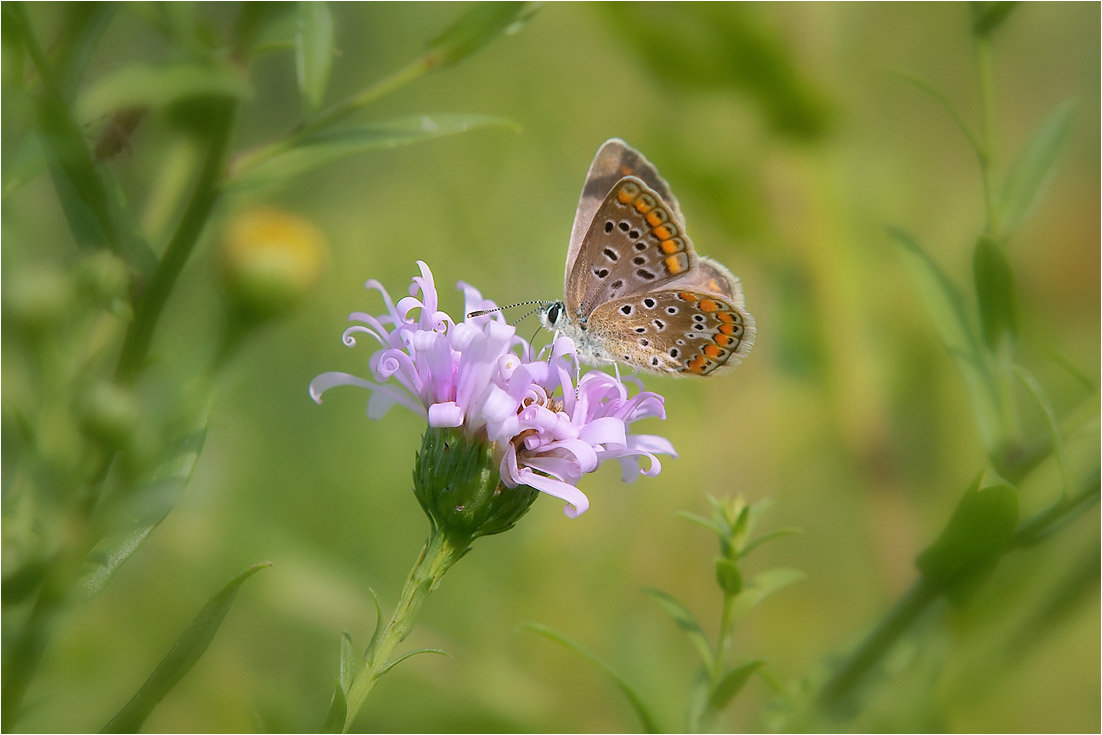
{"x":187,"y":650}
{"x":457,"y":481}
{"x":378,"y":624}
{"x":976,"y":535}
{"x":686,"y":622}
{"x":995,"y":292}
{"x":646,"y":718}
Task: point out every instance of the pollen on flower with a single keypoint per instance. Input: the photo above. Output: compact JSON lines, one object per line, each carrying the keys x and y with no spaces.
{"x":478,"y":380}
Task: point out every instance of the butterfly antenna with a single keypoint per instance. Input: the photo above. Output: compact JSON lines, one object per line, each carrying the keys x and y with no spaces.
{"x":483,"y":312}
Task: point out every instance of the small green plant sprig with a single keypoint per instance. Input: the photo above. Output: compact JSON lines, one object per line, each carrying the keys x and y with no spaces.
{"x":719,"y":680}
{"x":100,"y":440}
{"x":980,"y":330}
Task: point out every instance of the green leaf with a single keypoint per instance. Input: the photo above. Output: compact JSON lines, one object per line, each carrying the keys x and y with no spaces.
{"x":941,"y":99}
{"x":989,"y":16}
{"x":646,"y":719}
{"x":730,"y":685}
{"x":474,"y":29}
{"x":728,"y":576}
{"x":338,"y":709}
{"x":686,"y":622}
{"x":994,"y":292}
{"x":762,"y":586}
{"x":158,"y":496}
{"x":313,"y":51}
{"x":378,"y":624}
{"x":771,"y":536}
{"x":955,"y":325}
{"x":1034,"y":386}
{"x":976,"y":535}
{"x":338,"y":712}
{"x":188,"y":649}
{"x":391,"y":664}
{"x":159,"y":86}
{"x":324,"y":148}
{"x":1032,"y":170}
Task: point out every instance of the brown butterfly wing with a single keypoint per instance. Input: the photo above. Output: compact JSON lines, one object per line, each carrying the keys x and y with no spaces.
{"x":679,"y":332}
{"x":635,"y":244}
{"x":614,"y":160}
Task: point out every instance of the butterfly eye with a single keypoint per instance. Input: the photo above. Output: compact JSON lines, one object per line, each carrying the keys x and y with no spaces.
{"x":554,"y":312}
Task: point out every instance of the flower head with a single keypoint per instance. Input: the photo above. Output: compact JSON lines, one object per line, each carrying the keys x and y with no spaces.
{"x":478,"y":377}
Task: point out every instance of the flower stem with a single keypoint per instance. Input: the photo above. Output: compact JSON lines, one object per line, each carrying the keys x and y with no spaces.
{"x":987,"y":132}
{"x":438,"y":555}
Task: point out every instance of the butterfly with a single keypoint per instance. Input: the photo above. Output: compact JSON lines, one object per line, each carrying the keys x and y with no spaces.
{"x":635,"y":290}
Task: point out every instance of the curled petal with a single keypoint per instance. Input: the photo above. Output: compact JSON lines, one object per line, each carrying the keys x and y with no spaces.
{"x":445,"y":415}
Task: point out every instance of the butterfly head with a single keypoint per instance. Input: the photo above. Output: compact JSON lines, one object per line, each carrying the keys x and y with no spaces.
{"x":552,"y":315}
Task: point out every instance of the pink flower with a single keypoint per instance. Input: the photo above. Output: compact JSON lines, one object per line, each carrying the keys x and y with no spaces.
{"x":477,"y":375}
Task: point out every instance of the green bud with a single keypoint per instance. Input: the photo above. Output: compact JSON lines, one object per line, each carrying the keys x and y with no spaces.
{"x":103,"y":276}
{"x":456,"y":480}
{"x":269,"y":260}
{"x":38,"y":299}
{"x":109,"y":414}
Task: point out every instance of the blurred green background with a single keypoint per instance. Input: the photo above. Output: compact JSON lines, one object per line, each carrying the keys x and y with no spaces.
{"x":791,"y":148}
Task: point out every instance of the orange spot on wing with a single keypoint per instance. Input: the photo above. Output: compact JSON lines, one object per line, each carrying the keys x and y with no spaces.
{"x":624,"y":196}
{"x":674,"y":264}
{"x":708,"y":305}
{"x":712,"y":351}
{"x":656,"y":217}
{"x":727,"y":328}
{"x":723,"y":340}
{"x":687,"y":296}
{"x":662,"y":232}
{"x":726,"y":316}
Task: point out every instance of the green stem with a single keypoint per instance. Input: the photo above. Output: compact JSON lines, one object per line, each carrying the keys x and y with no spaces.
{"x":437,"y":557}
{"x":899,"y":618}
{"x":140,"y":334}
{"x":987,"y":123}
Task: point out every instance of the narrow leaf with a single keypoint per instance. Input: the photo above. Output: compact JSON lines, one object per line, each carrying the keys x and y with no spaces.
{"x":187,"y":650}
{"x":686,"y":622}
{"x":1034,"y":386}
{"x":348,"y":662}
{"x":955,"y":325}
{"x":158,"y":496}
{"x":994,"y":292}
{"x":391,"y":664}
{"x":313,"y":51}
{"x":324,"y":148}
{"x":338,"y":709}
{"x":650,"y":725}
{"x":1032,"y":170}
{"x":378,"y":624}
{"x":338,"y":712}
{"x":474,"y":29}
{"x":731,"y":684}
{"x":941,"y":99}
{"x":159,"y":86}
{"x":762,"y":586}
{"x":771,"y":536}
